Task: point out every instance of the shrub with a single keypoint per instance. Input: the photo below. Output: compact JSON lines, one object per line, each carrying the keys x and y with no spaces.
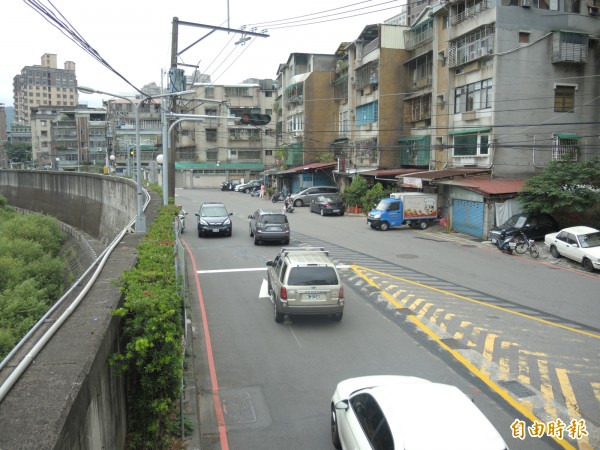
{"x":352,"y":194}
{"x":152,"y":333}
{"x":372,"y":197}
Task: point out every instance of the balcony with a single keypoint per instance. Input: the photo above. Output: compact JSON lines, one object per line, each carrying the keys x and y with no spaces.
{"x":469,"y":13}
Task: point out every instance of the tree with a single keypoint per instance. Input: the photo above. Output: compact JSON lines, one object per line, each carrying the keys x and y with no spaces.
{"x":373,"y":196}
{"x":18,"y":151}
{"x":563,"y":184}
{"x":353,"y":193}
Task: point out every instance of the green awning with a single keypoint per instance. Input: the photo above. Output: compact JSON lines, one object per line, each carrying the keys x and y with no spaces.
{"x":411,"y":138}
{"x":215,"y":166}
{"x":567,"y":136}
{"x":469,"y":130}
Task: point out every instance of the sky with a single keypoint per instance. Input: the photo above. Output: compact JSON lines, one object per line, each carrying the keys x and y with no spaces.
{"x":134,"y":37}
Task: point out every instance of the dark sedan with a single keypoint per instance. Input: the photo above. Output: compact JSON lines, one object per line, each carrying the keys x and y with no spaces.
{"x":328,"y":205}
{"x":534,"y":226}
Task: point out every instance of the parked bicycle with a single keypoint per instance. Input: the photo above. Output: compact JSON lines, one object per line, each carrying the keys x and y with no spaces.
{"x":524,"y":245}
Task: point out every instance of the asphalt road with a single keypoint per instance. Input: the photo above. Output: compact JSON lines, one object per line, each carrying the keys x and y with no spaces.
{"x":518,"y":335}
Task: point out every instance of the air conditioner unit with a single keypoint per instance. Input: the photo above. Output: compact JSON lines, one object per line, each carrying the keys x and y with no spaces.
{"x":526,"y":3}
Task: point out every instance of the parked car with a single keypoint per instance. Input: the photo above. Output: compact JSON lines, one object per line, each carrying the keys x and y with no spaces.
{"x":305,"y":196}
{"x":304,"y":280}
{"x":213,"y":218}
{"x":328,"y":204}
{"x":248,"y":187}
{"x":581,"y":244}
{"x":402,"y":412}
{"x":269,"y":226}
{"x":534,"y":226}
{"x":230,"y":185}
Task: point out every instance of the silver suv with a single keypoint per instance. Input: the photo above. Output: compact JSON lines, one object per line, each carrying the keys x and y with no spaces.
{"x":269,"y":226}
{"x":304,"y":280}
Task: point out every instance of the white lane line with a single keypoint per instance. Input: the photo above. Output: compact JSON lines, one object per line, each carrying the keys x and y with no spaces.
{"x":250,"y":269}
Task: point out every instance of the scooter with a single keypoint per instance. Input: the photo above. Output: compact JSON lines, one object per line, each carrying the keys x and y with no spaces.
{"x":507,"y":244}
{"x":288,"y":208}
{"x":181,"y":220}
{"x":278,"y":197}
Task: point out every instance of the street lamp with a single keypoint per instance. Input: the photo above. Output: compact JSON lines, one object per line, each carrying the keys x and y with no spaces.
{"x":140,"y":221}
{"x":57,"y":162}
{"x":111,"y":164}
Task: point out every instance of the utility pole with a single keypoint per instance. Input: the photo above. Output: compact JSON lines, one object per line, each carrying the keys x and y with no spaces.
{"x":174,"y":54}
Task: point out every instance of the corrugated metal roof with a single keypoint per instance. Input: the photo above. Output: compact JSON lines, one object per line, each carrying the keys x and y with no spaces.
{"x":313,"y":166}
{"x":221,"y":166}
{"x":388,"y":172}
{"x":489,"y":186}
{"x":449,"y":173}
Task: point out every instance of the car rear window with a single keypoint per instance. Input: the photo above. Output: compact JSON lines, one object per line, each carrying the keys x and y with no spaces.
{"x":312,"y":275}
{"x":273,"y":218}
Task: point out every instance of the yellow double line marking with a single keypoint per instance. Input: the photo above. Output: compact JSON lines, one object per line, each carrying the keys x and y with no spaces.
{"x":488,"y":346}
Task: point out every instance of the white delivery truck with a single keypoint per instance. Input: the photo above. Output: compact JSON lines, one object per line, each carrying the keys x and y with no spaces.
{"x":415,"y":209}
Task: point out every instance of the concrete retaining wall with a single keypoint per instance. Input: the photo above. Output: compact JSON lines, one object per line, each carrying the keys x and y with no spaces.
{"x":97,"y":204}
{"x":69,"y":398}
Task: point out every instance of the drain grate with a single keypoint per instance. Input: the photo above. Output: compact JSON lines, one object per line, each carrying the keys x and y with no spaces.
{"x":454,"y":344}
{"x":516,"y":388}
{"x":238,"y":408}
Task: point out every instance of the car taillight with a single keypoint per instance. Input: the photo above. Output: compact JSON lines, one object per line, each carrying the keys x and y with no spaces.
{"x":341,"y":294}
{"x":283,"y":293}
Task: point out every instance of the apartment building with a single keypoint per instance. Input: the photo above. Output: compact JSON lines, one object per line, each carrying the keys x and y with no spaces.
{"x":496,"y":90}
{"x":44,"y":84}
{"x":121,"y":132}
{"x":221,"y":148}
{"x":68,"y":138}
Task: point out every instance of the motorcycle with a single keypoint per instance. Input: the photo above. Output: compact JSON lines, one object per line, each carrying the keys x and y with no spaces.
{"x":288,"y":205}
{"x":278,"y":197}
{"x":507,"y":244}
{"x":181,"y":220}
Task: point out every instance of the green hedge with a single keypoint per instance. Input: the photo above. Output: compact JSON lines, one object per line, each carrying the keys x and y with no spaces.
{"x":152,"y":333}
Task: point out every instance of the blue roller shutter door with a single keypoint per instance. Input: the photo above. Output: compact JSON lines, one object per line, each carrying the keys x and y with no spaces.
{"x":467,"y":217}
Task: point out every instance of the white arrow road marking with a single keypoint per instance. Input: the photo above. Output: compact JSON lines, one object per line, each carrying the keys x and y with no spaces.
{"x":264,"y":289}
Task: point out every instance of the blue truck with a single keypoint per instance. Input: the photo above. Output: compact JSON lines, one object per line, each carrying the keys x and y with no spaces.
{"x":415,"y":209}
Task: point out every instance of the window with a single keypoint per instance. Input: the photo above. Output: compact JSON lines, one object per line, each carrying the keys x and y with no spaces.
{"x":368,"y":113}
{"x":569,"y":47}
{"x":565,"y":147}
{"x":524,"y":37}
{"x":372,"y":421}
{"x":237,"y":91}
{"x":471,"y":144}
{"x":564,"y":98}
{"x":572,"y":6}
{"x":211,"y":135}
{"x":473,"y":96}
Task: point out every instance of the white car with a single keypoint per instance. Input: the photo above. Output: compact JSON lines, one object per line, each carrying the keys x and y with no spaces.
{"x":401,"y":412}
{"x":581,"y":244}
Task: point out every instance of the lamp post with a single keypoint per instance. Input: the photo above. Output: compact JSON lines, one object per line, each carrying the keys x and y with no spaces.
{"x":140,"y":221}
{"x":57,"y":163}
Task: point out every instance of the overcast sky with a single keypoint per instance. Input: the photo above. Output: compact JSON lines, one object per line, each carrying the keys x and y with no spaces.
{"x":134,"y":37}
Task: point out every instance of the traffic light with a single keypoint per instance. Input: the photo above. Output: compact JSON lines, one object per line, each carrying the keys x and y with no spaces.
{"x":132,"y":152}
{"x":255,"y":119}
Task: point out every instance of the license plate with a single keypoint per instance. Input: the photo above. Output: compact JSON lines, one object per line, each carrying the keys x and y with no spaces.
{"x":336,"y":210}
{"x":215,"y":231}
{"x":273,"y":228}
{"x":313,"y":298}
{"x":494,"y":241}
